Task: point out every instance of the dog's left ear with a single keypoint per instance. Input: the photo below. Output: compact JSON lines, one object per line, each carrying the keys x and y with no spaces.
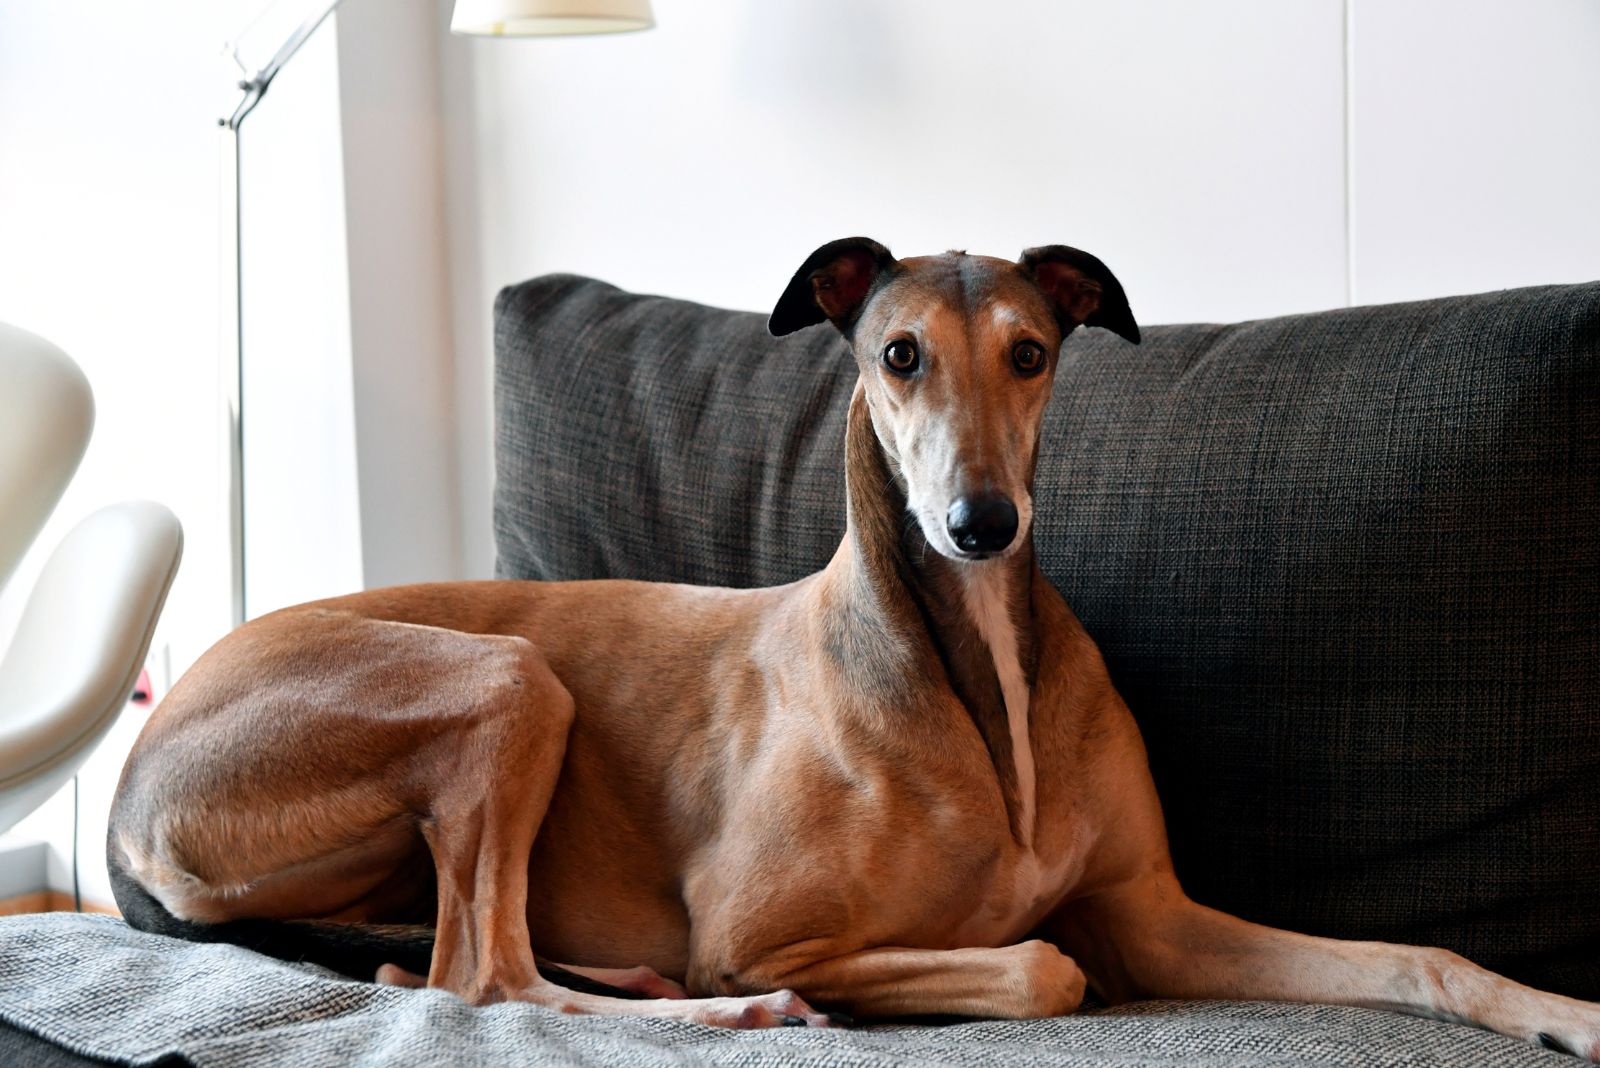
{"x":1082,"y":290}
{"x":832,"y":284}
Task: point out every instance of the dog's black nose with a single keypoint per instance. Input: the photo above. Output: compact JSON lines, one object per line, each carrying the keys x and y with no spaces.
{"x":982,"y":523}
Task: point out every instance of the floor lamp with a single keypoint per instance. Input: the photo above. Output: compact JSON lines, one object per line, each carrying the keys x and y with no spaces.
{"x":489,"y":18}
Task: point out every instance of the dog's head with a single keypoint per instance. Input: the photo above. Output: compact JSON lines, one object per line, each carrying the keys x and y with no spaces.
{"x":957,"y":356}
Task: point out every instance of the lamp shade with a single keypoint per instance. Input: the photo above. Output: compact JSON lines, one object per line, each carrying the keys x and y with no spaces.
{"x":532,"y":18}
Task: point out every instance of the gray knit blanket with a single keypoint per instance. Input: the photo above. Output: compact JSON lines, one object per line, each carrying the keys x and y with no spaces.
{"x":94,"y":986}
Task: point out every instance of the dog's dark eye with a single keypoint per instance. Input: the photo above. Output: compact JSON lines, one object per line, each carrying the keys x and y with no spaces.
{"x":901,"y":357}
{"x":1028,"y":357}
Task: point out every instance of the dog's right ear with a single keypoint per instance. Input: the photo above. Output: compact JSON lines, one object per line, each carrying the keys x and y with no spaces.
{"x":832,"y":284}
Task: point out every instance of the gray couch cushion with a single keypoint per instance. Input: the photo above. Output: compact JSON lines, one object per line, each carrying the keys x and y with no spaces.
{"x":1343,"y":566}
{"x":97,"y":987}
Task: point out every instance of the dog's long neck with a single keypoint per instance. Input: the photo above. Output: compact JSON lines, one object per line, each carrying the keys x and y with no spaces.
{"x":909,"y":618}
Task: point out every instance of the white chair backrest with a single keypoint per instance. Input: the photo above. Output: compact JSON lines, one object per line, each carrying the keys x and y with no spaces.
{"x":46,"y":417}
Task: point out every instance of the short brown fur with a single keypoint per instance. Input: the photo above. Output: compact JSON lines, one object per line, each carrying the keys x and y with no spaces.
{"x":903,"y":785}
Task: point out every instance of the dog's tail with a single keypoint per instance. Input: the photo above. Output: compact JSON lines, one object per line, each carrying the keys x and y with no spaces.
{"x":351,"y":949}
{"x":356,"y":950}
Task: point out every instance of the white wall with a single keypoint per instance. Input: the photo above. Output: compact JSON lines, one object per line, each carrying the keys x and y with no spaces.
{"x":303,"y":523}
{"x":1200,"y":149}
{"x":1477,"y":145}
{"x":399,"y":290}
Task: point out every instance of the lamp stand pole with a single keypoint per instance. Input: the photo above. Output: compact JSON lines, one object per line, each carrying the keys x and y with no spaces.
{"x":254,"y":87}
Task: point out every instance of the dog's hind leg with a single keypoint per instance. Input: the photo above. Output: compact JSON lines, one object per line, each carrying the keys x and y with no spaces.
{"x":311,"y":773}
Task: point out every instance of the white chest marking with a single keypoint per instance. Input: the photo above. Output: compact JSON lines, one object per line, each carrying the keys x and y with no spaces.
{"x":984,"y":591}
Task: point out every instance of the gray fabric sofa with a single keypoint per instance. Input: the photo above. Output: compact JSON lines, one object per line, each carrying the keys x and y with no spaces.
{"x":1344,"y":567}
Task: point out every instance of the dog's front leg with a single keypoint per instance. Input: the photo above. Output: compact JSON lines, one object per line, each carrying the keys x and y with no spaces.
{"x":1026,"y":981}
{"x":1147,"y":939}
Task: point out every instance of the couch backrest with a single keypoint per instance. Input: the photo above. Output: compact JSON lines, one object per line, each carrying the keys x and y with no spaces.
{"x":1344,"y":567}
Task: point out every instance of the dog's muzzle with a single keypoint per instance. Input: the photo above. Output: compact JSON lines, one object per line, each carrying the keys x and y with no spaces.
{"x":982,"y":523}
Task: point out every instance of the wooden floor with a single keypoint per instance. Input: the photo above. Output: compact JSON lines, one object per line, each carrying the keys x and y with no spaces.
{"x":50,"y":901}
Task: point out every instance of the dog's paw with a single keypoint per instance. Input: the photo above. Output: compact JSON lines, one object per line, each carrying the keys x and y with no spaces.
{"x":394,"y":975}
{"x":1575,"y":1038}
{"x":784,"y":1008}
{"x":1583,"y":1044}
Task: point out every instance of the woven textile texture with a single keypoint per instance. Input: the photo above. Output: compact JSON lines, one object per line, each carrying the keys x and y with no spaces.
{"x":93,"y":985}
{"x":1344,"y":568}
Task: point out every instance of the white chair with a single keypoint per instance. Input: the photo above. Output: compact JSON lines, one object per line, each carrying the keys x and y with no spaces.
{"x":85,"y":630}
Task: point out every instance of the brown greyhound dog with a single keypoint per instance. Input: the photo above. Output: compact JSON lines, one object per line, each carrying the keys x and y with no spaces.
{"x":901,"y":786}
